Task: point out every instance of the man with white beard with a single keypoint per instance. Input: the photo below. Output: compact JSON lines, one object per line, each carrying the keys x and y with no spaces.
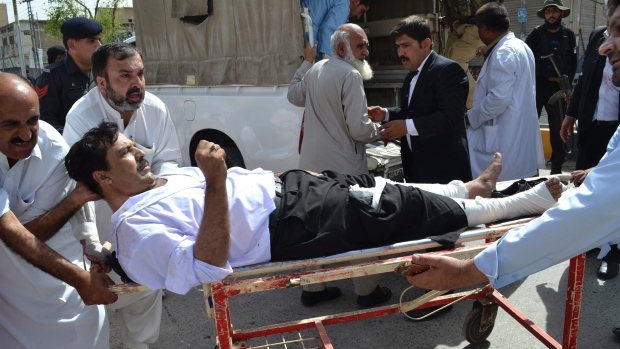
{"x":336,"y":129}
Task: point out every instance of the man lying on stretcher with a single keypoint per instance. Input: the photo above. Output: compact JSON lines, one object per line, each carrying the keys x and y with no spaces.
{"x":193,"y":225}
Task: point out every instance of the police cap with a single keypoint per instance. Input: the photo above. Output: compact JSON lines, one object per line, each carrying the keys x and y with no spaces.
{"x":80,"y":28}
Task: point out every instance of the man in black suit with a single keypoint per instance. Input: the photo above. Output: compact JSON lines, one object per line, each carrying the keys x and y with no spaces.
{"x":429,"y":121}
{"x":595,"y":104}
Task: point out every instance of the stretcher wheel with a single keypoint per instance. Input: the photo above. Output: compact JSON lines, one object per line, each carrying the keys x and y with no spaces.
{"x":472,"y":330}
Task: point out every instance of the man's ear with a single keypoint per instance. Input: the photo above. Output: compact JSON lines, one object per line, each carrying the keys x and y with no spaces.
{"x":342,"y":50}
{"x":70,"y":44}
{"x":102,"y":178}
{"x":426,"y":43}
{"x":100,"y":80}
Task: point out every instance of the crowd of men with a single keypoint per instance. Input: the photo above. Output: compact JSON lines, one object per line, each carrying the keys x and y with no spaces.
{"x":105,"y":145}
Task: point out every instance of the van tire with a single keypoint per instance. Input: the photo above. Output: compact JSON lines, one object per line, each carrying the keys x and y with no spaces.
{"x":233,"y":156}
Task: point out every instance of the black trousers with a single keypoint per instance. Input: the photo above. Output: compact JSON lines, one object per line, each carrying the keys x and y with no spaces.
{"x":544,"y":91}
{"x":593,"y":144}
{"x":320,"y":217}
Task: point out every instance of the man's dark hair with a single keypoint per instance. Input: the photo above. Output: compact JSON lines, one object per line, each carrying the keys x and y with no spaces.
{"x":89,"y":154}
{"x":415,"y":27}
{"x":119,"y":50}
{"x":494,"y":16}
{"x":366,"y":2}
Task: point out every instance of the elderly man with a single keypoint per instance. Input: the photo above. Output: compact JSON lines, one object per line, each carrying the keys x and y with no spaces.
{"x":192,"y":225}
{"x":120,"y":97}
{"x":581,"y":221}
{"x":66,"y":81}
{"x":33,"y":176}
{"x":503,"y":118}
{"x":336,"y":130}
{"x":552,"y":38}
{"x":328,"y":15}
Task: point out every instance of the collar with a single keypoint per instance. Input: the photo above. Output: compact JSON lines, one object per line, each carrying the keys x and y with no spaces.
{"x":4,"y":161}
{"x":423,"y":63}
{"x":110,"y":112}
{"x":491,"y":46}
{"x":70,"y":66}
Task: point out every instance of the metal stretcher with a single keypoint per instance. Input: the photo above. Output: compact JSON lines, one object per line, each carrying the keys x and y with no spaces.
{"x":312,"y":332}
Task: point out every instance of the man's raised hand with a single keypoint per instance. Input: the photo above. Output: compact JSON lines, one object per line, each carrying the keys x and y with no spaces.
{"x":211,"y":160}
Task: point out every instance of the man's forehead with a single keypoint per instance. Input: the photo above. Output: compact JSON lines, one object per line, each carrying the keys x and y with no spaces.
{"x":133,"y":62}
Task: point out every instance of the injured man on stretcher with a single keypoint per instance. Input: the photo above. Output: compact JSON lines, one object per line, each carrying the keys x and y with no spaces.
{"x":193,"y":225}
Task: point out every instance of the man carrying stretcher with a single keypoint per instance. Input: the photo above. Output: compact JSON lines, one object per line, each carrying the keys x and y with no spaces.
{"x":193,"y":225}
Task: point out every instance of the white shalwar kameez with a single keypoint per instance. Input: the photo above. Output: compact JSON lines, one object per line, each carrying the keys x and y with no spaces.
{"x":503,"y":118}
{"x":153,"y":132}
{"x":37,"y":310}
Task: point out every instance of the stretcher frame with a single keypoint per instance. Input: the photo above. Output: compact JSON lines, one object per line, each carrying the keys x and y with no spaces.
{"x":217,"y":294}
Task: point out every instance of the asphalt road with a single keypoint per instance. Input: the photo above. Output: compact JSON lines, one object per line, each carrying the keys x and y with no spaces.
{"x":541,"y":297}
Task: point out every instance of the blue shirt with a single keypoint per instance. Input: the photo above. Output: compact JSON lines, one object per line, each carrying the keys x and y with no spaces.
{"x":584,"y":219}
{"x":327,"y":15}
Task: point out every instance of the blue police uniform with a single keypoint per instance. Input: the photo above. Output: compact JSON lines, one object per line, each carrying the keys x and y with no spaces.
{"x":60,"y":85}
{"x":63,"y":83}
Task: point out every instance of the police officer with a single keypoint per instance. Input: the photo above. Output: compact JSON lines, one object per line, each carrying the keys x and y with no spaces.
{"x":553,"y":38}
{"x":66,"y":81}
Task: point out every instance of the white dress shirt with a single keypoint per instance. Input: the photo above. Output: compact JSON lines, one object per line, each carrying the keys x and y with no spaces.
{"x":38,"y":310}
{"x":608,"y":103}
{"x":154,"y":232}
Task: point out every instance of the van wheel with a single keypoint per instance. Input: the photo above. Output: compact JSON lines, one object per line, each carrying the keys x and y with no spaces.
{"x":233,"y":156}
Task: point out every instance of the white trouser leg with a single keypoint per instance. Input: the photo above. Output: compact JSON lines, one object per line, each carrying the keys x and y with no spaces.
{"x":533,"y":201}
{"x":364,"y":285}
{"x":139,"y":313}
{"x":139,"y":316}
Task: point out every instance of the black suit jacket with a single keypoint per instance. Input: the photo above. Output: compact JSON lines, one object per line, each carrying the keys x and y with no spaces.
{"x":439,"y":154}
{"x":585,"y":95}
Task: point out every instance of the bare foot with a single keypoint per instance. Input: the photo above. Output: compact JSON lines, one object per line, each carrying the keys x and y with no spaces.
{"x":555,"y":187}
{"x":485,"y":183}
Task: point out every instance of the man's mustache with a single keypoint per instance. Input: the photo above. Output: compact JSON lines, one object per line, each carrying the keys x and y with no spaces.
{"x":403,"y":58}
{"x":142,"y":163}
{"x":135,"y":90}
{"x":17,"y":140}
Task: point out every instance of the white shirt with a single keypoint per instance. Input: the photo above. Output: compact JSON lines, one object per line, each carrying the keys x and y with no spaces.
{"x":608,"y":103}
{"x":503,"y":118}
{"x":150,"y":126}
{"x":39,"y":310}
{"x":583,"y":220}
{"x":154,"y":232}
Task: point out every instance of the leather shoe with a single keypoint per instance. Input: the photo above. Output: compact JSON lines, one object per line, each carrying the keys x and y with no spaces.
{"x":379,"y":296}
{"x":311,"y":298}
{"x":418,"y":313}
{"x":616,"y":331}
{"x":607,"y":270}
{"x":556,"y":168}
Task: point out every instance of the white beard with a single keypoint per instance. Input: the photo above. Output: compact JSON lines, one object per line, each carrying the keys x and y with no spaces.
{"x":361,"y":66}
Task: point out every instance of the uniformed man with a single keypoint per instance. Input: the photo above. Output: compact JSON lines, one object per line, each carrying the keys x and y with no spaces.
{"x":65,"y":81}
{"x":546,"y":39}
